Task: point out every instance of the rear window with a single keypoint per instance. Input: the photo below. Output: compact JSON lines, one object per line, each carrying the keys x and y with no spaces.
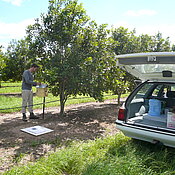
{"x":152,"y":68}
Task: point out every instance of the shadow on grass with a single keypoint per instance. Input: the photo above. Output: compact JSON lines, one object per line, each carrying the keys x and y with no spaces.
{"x":134,"y":157}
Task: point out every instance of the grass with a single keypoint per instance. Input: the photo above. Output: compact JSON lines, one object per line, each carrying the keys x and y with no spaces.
{"x":10,"y":87}
{"x":113,"y":155}
{"x":13,"y":103}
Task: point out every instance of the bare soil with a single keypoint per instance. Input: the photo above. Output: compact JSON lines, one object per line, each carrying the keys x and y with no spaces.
{"x":81,"y":122}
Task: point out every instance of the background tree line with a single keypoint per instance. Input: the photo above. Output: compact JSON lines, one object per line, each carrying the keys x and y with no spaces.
{"x":76,"y":55}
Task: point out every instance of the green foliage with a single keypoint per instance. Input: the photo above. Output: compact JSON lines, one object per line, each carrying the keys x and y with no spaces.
{"x":75,"y":53}
{"x":160,"y":44}
{"x":17,"y":60}
{"x":2,"y":59}
{"x":127,"y":42}
{"x":104,"y":156}
{"x":56,"y":42}
{"x":18,"y":157}
{"x":2,"y":63}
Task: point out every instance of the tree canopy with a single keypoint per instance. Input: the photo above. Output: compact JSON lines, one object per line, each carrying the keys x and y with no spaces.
{"x":74,"y":51}
{"x":76,"y":55}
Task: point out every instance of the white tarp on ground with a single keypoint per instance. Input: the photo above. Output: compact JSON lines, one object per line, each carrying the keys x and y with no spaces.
{"x":37,"y":130}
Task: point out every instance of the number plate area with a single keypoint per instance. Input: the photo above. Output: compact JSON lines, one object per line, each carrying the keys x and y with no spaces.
{"x":152,"y":59}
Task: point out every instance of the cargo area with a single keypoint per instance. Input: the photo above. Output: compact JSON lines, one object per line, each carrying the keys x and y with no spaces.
{"x":155,"y":109}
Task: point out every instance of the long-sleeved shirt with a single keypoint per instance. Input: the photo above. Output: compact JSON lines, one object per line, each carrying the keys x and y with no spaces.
{"x":27,"y":80}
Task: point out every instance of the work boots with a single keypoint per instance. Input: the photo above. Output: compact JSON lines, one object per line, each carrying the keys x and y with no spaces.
{"x":32,"y":116}
{"x":24,"y":118}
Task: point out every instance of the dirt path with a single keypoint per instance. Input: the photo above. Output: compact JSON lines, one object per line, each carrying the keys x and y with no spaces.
{"x":81,"y":122}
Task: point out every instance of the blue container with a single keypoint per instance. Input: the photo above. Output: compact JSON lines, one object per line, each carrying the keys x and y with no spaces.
{"x":154,"y":107}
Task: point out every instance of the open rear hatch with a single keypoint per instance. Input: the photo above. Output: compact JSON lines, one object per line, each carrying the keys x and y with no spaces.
{"x":155,"y":66}
{"x":158,"y":68}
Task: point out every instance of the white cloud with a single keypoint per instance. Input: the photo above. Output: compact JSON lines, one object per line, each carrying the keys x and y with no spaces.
{"x":14,"y":2}
{"x":142,"y":12}
{"x":9,"y":31}
{"x":167,"y":30}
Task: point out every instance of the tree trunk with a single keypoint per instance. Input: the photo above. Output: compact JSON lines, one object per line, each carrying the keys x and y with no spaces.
{"x":63,"y":99}
{"x":118,"y":99}
{"x":62,"y":107}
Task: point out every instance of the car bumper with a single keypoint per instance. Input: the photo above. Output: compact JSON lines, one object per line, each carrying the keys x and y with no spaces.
{"x":147,"y":134}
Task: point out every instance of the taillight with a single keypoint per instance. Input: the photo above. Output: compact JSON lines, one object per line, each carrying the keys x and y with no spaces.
{"x":121,"y":114}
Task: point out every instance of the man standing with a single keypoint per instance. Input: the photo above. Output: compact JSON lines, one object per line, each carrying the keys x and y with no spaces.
{"x":27,"y":93}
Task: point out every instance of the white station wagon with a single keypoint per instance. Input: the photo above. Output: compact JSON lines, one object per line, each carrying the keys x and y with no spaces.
{"x":149,"y":111}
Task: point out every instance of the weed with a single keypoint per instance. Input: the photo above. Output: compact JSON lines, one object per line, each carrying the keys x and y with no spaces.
{"x":112,"y":155}
{"x":18,"y":157}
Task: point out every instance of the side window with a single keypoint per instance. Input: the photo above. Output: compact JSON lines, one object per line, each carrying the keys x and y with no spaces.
{"x":166,"y":88}
{"x":173,"y":88}
{"x":143,"y":90}
{"x":156,"y":91}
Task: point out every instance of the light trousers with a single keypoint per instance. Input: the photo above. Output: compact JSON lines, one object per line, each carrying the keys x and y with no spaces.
{"x":27,"y":100}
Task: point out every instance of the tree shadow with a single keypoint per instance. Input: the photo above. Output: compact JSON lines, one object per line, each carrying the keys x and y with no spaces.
{"x":82,"y":122}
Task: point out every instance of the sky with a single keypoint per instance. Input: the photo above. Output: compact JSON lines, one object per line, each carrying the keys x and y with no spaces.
{"x":145,"y":16}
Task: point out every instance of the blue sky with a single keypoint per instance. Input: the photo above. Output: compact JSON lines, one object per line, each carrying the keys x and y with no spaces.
{"x":146,"y":16}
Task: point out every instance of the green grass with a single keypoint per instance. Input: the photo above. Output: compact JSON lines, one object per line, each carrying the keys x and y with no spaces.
{"x":113,"y":155}
{"x":15,"y":102}
{"x":8,"y":102}
{"x":10,"y":87}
